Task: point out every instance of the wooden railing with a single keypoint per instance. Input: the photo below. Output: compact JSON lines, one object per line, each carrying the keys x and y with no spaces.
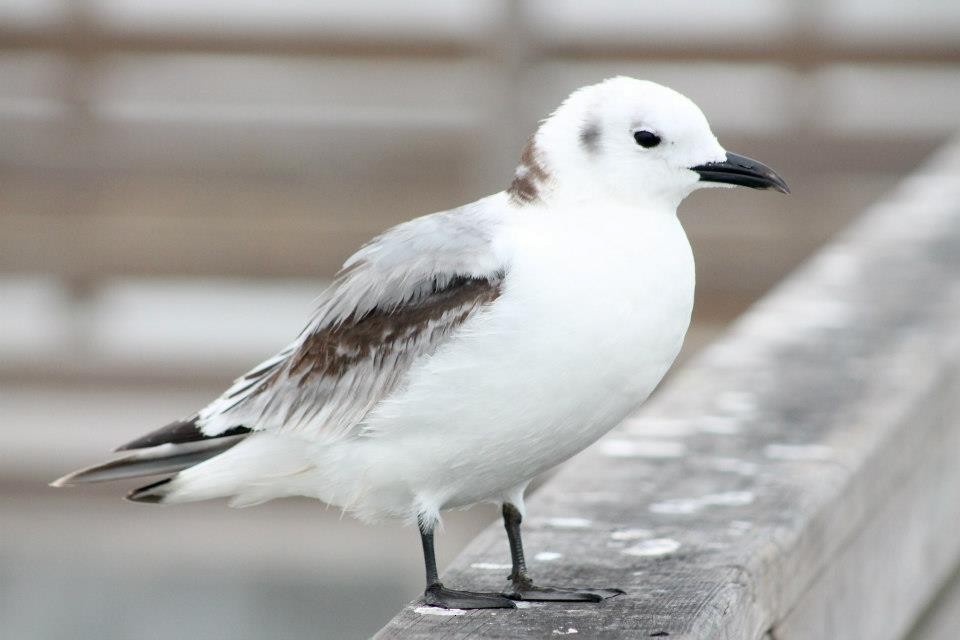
{"x":799,"y":480}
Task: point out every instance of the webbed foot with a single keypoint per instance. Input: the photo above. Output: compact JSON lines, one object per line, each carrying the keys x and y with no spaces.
{"x":533,"y":593}
{"x":438,"y":595}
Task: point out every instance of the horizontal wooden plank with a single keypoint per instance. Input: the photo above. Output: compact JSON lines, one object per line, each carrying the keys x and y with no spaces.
{"x":310,"y":43}
{"x":684,"y":23}
{"x":126,"y":139}
{"x":750,"y":21}
{"x":789,"y":52}
{"x":240,"y":222}
{"x":797,"y":479}
{"x":808,"y":52}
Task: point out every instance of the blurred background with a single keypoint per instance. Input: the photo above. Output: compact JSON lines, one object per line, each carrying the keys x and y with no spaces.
{"x":179,"y":179}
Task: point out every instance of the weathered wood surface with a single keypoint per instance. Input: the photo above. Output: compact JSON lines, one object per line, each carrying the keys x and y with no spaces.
{"x":942,"y":620}
{"x":800,"y":479}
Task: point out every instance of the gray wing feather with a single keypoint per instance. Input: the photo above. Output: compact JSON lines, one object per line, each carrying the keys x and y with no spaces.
{"x":397,"y":299}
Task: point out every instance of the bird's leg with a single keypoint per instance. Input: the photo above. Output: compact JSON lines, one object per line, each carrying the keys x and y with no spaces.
{"x":511,"y":522}
{"x":522,"y":587}
{"x":437,"y":595}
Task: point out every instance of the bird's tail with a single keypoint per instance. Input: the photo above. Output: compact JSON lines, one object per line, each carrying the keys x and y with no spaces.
{"x":150,"y":461}
{"x":247,"y":467}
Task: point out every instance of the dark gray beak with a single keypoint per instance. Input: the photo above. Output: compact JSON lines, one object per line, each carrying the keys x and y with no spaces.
{"x":743,"y":171}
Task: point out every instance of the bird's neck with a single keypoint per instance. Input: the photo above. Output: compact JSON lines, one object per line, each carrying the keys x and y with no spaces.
{"x":592,"y":195}
{"x":605,"y":220}
{"x":592,"y":205}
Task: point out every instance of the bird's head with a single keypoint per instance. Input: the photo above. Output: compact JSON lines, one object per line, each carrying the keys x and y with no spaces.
{"x":632,"y":140}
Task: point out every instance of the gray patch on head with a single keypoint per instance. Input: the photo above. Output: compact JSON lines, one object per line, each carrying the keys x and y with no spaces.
{"x":590,"y":137}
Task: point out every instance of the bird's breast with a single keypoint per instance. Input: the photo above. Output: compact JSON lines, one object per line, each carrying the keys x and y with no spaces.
{"x":621,"y":287}
{"x":591,"y":320}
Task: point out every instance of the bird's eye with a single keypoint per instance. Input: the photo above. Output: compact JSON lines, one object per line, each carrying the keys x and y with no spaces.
{"x":646,"y":139}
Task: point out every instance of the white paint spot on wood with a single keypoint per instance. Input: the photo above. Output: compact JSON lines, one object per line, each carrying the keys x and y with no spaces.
{"x":569,"y":523}
{"x":719,"y":425}
{"x":798,"y":452}
{"x":737,"y":402}
{"x":630,"y":534}
{"x":658,"y":427}
{"x":547,"y":556}
{"x":655,"y":547}
{"x":598,"y":496}
{"x":733,"y":465}
{"x":437,"y":611}
{"x":739,"y":527}
{"x":569,"y":632}
{"x":643,"y":448}
{"x":693,"y":505}
{"x":490,"y":566}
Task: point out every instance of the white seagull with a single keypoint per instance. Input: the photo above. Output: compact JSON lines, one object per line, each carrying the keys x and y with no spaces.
{"x":462,"y":353}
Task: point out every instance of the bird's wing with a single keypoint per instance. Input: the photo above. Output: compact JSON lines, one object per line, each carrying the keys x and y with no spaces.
{"x":397,"y":299}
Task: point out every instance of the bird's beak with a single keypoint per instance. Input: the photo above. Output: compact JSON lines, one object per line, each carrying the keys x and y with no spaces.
{"x":743,"y":171}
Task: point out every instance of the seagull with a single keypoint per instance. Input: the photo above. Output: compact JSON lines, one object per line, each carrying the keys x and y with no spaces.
{"x":462,"y":353}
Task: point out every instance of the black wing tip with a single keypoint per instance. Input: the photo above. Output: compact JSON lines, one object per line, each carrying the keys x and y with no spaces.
{"x":146,"y":495}
{"x":175,"y":432}
{"x":178,"y":432}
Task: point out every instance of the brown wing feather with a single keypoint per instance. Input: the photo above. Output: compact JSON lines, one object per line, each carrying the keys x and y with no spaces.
{"x":335,"y":374}
{"x":333,"y":350}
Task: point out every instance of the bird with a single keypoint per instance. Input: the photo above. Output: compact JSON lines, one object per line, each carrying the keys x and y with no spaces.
{"x":460,"y":354}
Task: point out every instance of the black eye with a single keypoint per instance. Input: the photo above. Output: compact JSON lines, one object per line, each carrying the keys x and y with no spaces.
{"x":646,"y":139}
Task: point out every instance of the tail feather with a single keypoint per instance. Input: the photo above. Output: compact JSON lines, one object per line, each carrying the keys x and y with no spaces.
{"x":161,"y":459}
{"x":151,"y":493}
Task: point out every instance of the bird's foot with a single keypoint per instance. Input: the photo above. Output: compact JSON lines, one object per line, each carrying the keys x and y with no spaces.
{"x":530,"y":592}
{"x":438,"y":595}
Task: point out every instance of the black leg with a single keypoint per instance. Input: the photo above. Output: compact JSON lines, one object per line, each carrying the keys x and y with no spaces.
{"x":522,"y":587}
{"x":437,"y":595}
{"x":511,"y":522}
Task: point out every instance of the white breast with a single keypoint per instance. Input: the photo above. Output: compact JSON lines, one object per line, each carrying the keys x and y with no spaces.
{"x":593,"y":313}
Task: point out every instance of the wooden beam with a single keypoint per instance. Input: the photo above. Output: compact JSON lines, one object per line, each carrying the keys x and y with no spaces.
{"x":790,"y":51}
{"x":88,"y":38}
{"x":91,"y":41}
{"x":796,"y":481}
